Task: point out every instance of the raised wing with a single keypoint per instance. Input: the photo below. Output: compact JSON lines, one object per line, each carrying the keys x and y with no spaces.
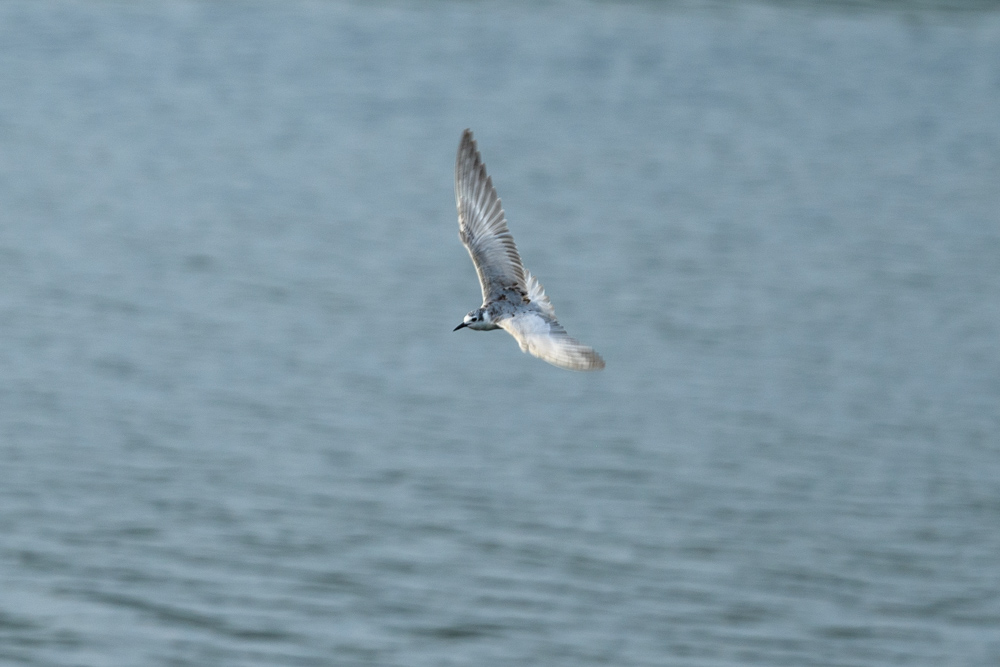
{"x":543,"y":336}
{"x":482,"y":226}
{"x":537,"y":296}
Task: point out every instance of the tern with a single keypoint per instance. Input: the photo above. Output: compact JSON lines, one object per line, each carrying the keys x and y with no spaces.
{"x":513,"y":299}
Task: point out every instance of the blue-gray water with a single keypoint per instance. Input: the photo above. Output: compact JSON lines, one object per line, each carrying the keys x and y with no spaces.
{"x":236,"y":427}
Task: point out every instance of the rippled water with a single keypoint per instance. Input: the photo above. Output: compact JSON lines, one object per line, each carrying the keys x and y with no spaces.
{"x":237,"y":429}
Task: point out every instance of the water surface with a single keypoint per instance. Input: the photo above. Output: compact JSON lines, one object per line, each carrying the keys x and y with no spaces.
{"x":237,"y":429}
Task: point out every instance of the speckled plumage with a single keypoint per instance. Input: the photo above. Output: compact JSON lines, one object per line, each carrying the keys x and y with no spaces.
{"x":513,"y":299}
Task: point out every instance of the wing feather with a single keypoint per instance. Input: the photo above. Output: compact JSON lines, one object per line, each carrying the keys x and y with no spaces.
{"x":542,"y":336}
{"x":482,"y":225}
{"x":537,"y":296}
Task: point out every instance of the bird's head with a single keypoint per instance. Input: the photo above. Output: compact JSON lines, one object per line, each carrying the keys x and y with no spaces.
{"x":477,"y":319}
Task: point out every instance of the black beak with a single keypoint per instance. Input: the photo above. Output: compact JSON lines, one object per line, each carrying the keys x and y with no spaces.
{"x":460,"y":326}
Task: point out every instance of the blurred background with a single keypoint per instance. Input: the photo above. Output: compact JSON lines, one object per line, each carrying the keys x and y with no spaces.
{"x":236,"y":427}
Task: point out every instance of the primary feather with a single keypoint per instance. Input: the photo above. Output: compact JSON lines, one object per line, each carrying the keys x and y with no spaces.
{"x":482,"y":225}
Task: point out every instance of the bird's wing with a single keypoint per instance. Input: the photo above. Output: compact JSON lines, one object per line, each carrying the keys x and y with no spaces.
{"x":537,"y":296}
{"x":543,"y":337}
{"x":482,"y":226}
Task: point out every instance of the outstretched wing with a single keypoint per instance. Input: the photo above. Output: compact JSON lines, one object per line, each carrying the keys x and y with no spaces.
{"x":482,"y":226}
{"x":542,"y":336}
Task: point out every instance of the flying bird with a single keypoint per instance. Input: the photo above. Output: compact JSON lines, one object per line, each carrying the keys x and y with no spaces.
{"x":513,"y":299}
